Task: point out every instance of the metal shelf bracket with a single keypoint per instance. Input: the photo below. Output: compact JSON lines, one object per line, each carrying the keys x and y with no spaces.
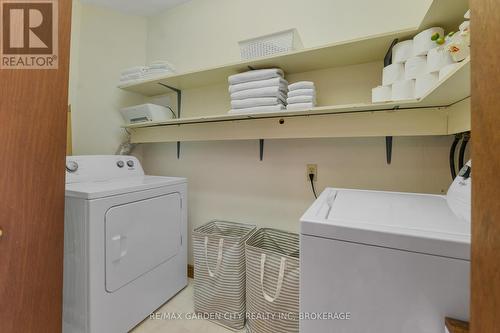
{"x":179,"y":105}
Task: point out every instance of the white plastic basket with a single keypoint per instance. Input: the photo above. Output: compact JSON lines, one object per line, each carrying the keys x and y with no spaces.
{"x":279,"y":42}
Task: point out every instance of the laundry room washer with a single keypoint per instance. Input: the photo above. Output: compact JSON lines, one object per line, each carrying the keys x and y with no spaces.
{"x":125,"y":246}
{"x":385,"y":262}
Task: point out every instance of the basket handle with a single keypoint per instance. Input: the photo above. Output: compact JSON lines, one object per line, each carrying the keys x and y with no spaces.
{"x":219,"y":256}
{"x":281,"y":275}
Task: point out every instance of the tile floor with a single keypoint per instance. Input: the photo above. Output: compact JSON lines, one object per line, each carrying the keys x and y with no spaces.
{"x":183,"y":304}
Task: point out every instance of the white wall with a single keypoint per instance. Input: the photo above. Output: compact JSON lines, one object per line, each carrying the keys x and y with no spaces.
{"x":106,"y":42}
{"x":226,"y":179}
{"x":205,"y":33}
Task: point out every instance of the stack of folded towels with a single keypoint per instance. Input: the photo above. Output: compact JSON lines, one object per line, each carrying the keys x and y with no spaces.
{"x":262,"y":90}
{"x":155,"y":69}
{"x":301,"y":95}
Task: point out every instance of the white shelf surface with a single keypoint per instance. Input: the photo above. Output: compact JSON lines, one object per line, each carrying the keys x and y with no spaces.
{"x":445,"y":13}
{"x":454,"y":88}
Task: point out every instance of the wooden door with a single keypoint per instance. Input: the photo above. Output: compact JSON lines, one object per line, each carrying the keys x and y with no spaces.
{"x":33,"y":110}
{"x":485,"y":288}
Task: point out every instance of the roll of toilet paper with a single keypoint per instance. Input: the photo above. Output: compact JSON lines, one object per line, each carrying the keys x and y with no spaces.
{"x":403,"y":90}
{"x":424,"y":83}
{"x":464,"y":26}
{"x":381,"y":94}
{"x":438,"y":58}
{"x":393,"y":73}
{"x":422,"y":42}
{"x":443,"y":72}
{"x":402,"y":51}
{"x":415,"y":66}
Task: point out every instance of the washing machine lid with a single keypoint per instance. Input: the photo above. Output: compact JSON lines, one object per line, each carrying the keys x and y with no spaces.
{"x":413,"y":222}
{"x":105,"y":188}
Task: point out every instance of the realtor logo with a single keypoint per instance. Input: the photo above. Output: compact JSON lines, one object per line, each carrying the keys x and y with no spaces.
{"x":28,"y":34}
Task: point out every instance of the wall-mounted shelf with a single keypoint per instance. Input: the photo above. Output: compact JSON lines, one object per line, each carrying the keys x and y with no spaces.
{"x":447,"y":13}
{"x":450,"y":94}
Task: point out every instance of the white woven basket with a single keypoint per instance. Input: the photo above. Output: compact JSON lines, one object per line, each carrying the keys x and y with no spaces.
{"x":279,"y":42}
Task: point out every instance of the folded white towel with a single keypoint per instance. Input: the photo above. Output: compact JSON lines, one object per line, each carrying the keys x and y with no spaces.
{"x":300,"y":106}
{"x":259,"y":109}
{"x":302,"y":92}
{"x":275,"y":91}
{"x":301,"y":99}
{"x":134,"y":70}
{"x":255,"y":75}
{"x":277,"y":81}
{"x":162,"y":64}
{"x":301,"y":85}
{"x":252,"y":102}
{"x":135,"y":76}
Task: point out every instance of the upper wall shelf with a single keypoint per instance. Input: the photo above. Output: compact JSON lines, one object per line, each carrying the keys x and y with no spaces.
{"x":446,"y":13}
{"x":451,"y":90}
{"x":444,"y":110}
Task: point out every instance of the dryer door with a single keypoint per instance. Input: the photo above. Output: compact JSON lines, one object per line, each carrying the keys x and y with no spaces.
{"x":141,"y":236}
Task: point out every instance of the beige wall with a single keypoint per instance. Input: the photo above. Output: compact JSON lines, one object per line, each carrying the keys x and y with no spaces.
{"x":226,"y":179}
{"x":104,"y":42}
{"x":204,"y":33}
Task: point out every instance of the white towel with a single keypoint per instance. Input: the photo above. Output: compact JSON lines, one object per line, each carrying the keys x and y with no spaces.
{"x":301,"y":99}
{"x":161,"y":65}
{"x":275,"y":91}
{"x":255,"y":75}
{"x":134,"y":70}
{"x":277,"y":81}
{"x":253,"y":102}
{"x":300,"y":106}
{"x":301,"y":85}
{"x":302,"y":92}
{"x":259,"y":109}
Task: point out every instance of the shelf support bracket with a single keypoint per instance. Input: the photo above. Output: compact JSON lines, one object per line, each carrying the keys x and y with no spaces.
{"x":179,"y":105}
{"x":388,"y":149}
{"x":261,"y":149}
{"x":388,"y":55}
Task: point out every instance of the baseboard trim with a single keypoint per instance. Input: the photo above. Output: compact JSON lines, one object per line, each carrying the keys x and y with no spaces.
{"x":190,"y":270}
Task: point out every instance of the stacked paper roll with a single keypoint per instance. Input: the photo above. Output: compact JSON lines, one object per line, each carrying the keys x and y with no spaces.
{"x":403,"y":90}
{"x":392,"y":73}
{"x":422,"y":42}
{"x":438,"y":58}
{"x":415,"y":66}
{"x":381,"y":94}
{"x":402,"y":51}
{"x":419,"y":64}
{"x":424,"y":83}
{"x":443,"y":72}
{"x":464,"y":26}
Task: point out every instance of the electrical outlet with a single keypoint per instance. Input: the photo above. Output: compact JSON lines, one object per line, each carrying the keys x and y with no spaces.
{"x":312,"y":168}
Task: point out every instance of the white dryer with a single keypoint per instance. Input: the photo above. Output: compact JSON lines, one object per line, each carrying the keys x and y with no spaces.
{"x":125,"y":247}
{"x":385,"y":262}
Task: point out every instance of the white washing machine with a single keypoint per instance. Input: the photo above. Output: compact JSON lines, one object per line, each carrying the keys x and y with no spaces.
{"x":125,"y":247}
{"x":385,"y":262}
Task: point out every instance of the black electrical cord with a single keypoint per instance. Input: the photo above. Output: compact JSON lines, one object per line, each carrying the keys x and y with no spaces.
{"x":452,"y":155}
{"x":311,"y":178}
{"x":461,"y":154}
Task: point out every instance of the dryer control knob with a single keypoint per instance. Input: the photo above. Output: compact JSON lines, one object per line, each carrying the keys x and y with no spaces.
{"x":130,"y":163}
{"x":71,"y":166}
{"x":120,"y":164}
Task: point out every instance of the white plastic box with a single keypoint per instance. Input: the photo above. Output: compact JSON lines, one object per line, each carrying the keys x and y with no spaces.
{"x":267,"y":45}
{"x":146,"y":113}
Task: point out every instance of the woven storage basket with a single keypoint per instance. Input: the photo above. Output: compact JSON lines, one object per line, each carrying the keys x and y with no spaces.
{"x":219,"y":272}
{"x":272,"y":259}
